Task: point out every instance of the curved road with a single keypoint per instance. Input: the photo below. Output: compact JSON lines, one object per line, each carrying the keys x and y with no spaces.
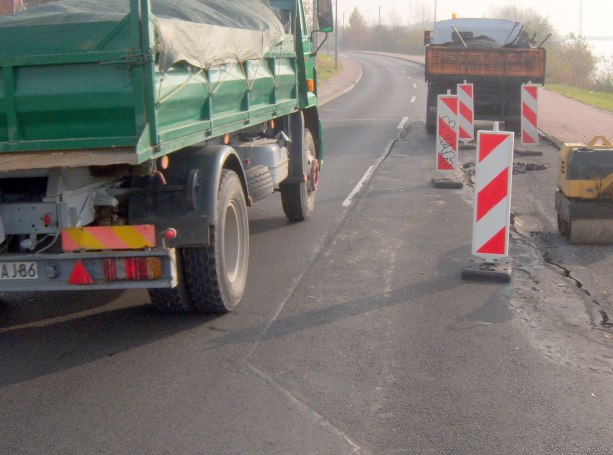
{"x":356,"y":334}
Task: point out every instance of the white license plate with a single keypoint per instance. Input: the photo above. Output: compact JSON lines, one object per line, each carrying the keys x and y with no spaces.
{"x":18,"y":270}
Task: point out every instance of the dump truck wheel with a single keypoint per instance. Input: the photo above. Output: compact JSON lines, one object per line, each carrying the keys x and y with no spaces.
{"x":513,"y":126}
{"x":172,"y":300}
{"x":431,"y":116}
{"x":216,"y":275}
{"x":298,"y":199}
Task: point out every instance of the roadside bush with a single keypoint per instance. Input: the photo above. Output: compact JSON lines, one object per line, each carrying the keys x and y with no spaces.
{"x":603,"y":82}
{"x":412,"y":43}
{"x":571,"y":62}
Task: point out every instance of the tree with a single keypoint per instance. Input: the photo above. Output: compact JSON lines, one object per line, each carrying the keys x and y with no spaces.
{"x":356,"y":35}
{"x":569,"y":60}
{"x":535,"y":25}
{"x":572,"y":62}
{"x":421,"y":17}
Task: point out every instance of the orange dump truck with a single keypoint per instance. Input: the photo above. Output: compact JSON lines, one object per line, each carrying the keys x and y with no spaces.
{"x":496,"y":55}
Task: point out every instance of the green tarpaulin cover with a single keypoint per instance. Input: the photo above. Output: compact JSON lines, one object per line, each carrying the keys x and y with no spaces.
{"x":200,"y":32}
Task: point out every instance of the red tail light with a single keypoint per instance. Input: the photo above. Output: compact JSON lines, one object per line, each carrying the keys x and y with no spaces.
{"x":132,"y":269}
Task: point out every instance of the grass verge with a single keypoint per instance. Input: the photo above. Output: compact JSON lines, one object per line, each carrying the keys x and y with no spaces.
{"x":603,"y":100}
{"x":325,"y":67}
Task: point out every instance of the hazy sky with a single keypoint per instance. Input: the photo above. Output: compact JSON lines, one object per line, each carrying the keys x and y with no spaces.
{"x":563,"y":14}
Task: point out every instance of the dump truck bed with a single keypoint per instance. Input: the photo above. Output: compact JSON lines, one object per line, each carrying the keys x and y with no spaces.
{"x":478,"y":63}
{"x":93,"y":93}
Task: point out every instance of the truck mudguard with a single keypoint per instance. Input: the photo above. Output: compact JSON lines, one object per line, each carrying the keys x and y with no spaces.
{"x":191,"y":198}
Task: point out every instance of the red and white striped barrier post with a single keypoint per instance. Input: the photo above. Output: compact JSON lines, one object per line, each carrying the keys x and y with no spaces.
{"x":466,"y":112}
{"x":492,"y":209}
{"x":529,"y":114}
{"x":447,"y":133}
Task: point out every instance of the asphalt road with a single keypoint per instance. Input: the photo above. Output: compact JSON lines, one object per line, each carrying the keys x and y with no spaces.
{"x":356,"y":335}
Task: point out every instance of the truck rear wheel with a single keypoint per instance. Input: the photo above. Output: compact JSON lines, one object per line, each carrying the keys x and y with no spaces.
{"x":298,"y":199}
{"x":431,"y":109}
{"x":216,"y":275}
{"x":172,"y":300}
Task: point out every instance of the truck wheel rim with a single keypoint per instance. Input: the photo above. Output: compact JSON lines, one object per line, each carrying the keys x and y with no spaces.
{"x":314,"y":177}
{"x":232,"y":242}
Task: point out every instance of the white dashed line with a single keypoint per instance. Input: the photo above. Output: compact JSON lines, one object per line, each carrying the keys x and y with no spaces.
{"x":413,"y":99}
{"x":403,"y":122}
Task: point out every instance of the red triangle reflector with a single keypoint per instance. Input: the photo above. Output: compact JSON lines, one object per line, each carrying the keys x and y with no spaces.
{"x":80,"y":275}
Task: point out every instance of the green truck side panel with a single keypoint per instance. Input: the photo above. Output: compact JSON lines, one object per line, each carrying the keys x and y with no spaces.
{"x":89,"y":85}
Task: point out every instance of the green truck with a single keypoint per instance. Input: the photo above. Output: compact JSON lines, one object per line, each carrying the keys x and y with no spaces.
{"x":135,"y":133}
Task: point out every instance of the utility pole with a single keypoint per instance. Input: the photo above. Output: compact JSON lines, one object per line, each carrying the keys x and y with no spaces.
{"x":379,"y":37}
{"x":435,"y":11}
{"x":343,"y":35}
{"x":336,"y":34}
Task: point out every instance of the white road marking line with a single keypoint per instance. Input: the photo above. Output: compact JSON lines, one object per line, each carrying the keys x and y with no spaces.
{"x":347,"y":202}
{"x":303,"y":406}
{"x":403,"y":71}
{"x":358,"y":187}
{"x":413,"y":99}
{"x":403,"y":122}
{"x":414,"y":85}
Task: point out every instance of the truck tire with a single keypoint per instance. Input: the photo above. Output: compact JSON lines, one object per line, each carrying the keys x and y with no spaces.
{"x":430,"y":115}
{"x":259,"y":182}
{"x":431,"y":128}
{"x":298,"y":199}
{"x":513,"y":109}
{"x":172,"y":300}
{"x":514,"y":126}
{"x":216,"y":275}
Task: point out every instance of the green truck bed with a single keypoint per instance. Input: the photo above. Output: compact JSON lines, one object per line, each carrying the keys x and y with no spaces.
{"x":92,"y":93}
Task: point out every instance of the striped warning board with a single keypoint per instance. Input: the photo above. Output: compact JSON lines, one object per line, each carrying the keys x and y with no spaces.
{"x":466,"y":112}
{"x":447,"y":133}
{"x":492,"y":194}
{"x":108,"y":238}
{"x":529,"y":114}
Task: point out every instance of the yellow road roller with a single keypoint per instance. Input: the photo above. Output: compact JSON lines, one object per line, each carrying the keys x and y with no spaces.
{"x":584,"y":197}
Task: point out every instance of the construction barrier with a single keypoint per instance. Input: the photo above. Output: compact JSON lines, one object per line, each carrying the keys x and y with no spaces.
{"x":492,"y":209}
{"x":466,"y":112}
{"x":447,"y":133}
{"x":529,"y":114}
